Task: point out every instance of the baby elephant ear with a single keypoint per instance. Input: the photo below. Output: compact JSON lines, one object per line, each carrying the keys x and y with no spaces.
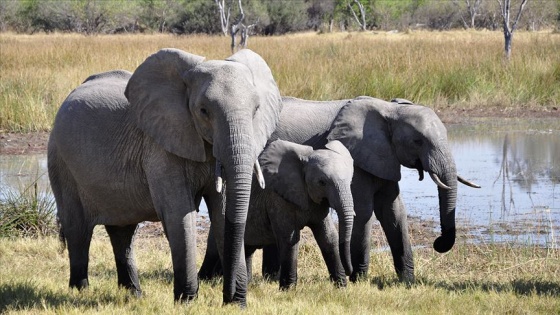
{"x":282,"y":164}
{"x":362,"y":126}
{"x":158,"y":102}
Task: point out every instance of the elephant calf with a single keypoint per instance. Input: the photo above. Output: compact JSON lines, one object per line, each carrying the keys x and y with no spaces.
{"x":302,"y":184}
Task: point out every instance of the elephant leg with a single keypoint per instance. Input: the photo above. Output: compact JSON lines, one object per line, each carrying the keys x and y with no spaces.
{"x":211,"y":265}
{"x":288,"y":251}
{"x":271,"y":262}
{"x":78,"y":242}
{"x":77,"y":233}
{"x":121,"y":239}
{"x":360,"y":246}
{"x":391,"y":213}
{"x":181,"y":234}
{"x":249,"y":251}
{"x":327,"y":239}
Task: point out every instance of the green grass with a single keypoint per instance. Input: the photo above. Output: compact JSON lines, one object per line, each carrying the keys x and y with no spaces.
{"x":457,"y":69}
{"x":470,"y":279}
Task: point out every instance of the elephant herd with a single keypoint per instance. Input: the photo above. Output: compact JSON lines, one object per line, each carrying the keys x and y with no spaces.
{"x":150,"y":145}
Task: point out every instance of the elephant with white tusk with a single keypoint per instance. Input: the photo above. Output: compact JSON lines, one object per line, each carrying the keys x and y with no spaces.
{"x":380,"y":136}
{"x":146,"y":146}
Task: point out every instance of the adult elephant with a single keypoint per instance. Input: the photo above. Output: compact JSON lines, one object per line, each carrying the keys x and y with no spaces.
{"x":302,"y":184}
{"x":127,"y":148}
{"x":381,"y":136}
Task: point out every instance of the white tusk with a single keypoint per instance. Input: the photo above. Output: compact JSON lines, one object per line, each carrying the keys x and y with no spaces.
{"x":466,"y":182}
{"x":260,"y":176}
{"x":218,"y":175}
{"x":438,"y":181}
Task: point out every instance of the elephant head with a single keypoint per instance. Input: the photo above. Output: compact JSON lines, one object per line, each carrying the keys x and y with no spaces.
{"x":382,"y":136}
{"x":197,"y":109}
{"x":304,"y":176}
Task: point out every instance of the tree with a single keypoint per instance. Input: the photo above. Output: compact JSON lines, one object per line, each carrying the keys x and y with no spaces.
{"x":509,"y":28}
{"x":224,"y":16}
{"x":362,"y":19}
{"x":473,"y":10}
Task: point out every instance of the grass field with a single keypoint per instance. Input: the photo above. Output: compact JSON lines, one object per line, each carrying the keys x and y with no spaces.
{"x":470,"y":279}
{"x":459,"y":69}
{"x":445,"y":70}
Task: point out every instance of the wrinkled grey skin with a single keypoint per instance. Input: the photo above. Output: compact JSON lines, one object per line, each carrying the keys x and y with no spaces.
{"x":302,"y":184}
{"x":129,"y":148}
{"x":381,"y":136}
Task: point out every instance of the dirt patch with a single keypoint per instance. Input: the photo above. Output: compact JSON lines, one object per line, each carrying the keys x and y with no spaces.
{"x":14,"y":143}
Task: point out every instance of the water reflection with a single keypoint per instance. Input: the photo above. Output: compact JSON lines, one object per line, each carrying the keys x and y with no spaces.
{"x":18,"y":172}
{"x":516,"y":162}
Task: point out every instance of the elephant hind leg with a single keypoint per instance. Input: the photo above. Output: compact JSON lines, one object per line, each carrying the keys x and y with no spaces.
{"x":78,"y":240}
{"x":121,"y":239}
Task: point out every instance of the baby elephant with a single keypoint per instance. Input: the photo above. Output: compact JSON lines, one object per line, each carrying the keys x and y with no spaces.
{"x":301,"y":185}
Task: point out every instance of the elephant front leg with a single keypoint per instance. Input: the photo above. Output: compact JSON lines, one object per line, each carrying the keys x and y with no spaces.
{"x":391,"y":213}
{"x":181,"y":233}
{"x":121,"y":240}
{"x":288,"y":250}
{"x":270,"y":262}
{"x":327,"y":239}
{"x":211,"y":265}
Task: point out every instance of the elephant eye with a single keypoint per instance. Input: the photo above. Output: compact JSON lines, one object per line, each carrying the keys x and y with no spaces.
{"x":322,"y":182}
{"x":204,"y":111}
{"x":418,"y":142}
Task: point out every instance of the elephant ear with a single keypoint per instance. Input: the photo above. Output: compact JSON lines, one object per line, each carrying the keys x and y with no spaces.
{"x":363,"y":127}
{"x":158,"y":101}
{"x":269,"y":98}
{"x":282,"y":164}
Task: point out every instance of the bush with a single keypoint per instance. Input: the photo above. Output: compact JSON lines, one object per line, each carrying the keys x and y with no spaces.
{"x":28,"y":213}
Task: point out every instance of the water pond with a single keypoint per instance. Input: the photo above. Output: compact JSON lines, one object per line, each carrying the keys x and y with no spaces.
{"x":517,"y":163}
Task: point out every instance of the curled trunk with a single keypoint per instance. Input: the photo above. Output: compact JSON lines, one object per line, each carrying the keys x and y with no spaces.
{"x":445,"y":171}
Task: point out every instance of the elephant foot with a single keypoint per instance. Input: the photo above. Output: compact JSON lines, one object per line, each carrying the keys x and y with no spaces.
{"x":185,"y":298}
{"x":407,"y":278}
{"x":240,"y":301}
{"x":79,"y":284}
{"x":358,"y":276}
{"x":137,"y":293}
{"x":339,"y":283}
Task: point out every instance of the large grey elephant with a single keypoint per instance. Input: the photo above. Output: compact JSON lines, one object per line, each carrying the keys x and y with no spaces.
{"x":302,"y":184}
{"x":127,"y":148}
{"x":381,"y":136}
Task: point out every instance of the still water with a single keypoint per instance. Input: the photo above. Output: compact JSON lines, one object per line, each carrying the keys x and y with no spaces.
{"x":517,"y":163}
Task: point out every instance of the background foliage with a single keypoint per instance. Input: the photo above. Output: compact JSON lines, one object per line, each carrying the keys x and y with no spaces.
{"x":271,"y":16}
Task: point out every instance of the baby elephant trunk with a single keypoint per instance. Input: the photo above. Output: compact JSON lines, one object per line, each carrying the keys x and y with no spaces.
{"x":345,"y":211}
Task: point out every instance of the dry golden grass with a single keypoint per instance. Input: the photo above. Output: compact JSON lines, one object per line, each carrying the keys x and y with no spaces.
{"x":470,"y":279}
{"x":439,"y":69}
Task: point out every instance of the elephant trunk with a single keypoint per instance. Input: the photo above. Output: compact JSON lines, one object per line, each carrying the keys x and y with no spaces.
{"x":345,"y":211}
{"x":444,"y":170}
{"x":238,"y":161}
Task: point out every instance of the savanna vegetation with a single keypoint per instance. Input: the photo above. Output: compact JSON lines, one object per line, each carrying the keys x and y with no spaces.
{"x":444,"y":70}
{"x":450,"y":71}
{"x":271,"y":17}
